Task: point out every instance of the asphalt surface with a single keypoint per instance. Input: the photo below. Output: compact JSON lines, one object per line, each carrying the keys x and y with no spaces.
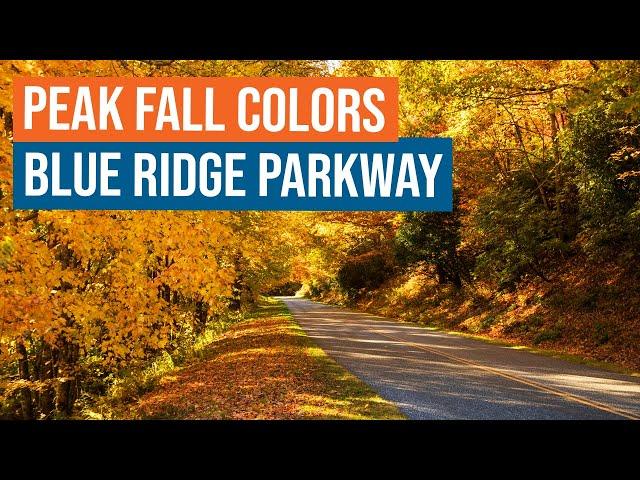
{"x":435,"y":375}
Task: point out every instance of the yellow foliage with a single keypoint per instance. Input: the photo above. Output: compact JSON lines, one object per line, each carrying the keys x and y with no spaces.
{"x":119,"y":286}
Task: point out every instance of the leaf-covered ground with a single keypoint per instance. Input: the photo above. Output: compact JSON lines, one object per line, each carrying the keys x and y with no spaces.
{"x":264,"y":368}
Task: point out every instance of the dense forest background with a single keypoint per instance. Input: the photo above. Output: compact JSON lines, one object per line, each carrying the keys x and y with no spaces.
{"x":542,"y":246}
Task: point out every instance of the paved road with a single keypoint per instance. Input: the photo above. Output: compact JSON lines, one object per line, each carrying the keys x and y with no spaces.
{"x":435,"y":375}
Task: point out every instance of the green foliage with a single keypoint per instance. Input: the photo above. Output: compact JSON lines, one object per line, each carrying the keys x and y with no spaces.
{"x":104,"y":393}
{"x":487,"y":322}
{"x":129,"y":385}
{"x":286,"y":289}
{"x":606,"y":151}
{"x":519,"y":231}
{"x":548,"y":334}
{"x":534,"y":322}
{"x":602,"y":333}
{"x":364,"y":271}
{"x":317,"y":288}
{"x":433,"y":238}
{"x":587,"y":301}
{"x":530,"y":324}
{"x":547,"y":166}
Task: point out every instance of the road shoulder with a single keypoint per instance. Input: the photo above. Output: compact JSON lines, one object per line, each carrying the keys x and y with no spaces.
{"x":503,"y":342}
{"x":264,"y":368}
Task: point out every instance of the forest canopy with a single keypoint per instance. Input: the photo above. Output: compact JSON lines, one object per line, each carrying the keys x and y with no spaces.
{"x":546,"y":202}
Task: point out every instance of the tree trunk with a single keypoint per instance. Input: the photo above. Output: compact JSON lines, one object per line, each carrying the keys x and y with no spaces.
{"x":66,"y":389}
{"x":46,"y":374}
{"x":541,"y":191}
{"x":202,"y":310}
{"x":238,"y":284}
{"x":456,"y":280}
{"x":441,"y":274}
{"x":26,"y":402}
{"x":557,"y":178}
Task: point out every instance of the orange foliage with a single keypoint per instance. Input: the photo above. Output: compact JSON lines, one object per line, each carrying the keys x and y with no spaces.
{"x":108,"y":288}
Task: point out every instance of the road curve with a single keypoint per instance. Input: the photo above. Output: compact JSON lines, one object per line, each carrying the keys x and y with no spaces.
{"x":435,"y":375}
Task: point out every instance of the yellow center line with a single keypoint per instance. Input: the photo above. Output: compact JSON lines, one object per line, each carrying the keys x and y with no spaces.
{"x":515,"y":378}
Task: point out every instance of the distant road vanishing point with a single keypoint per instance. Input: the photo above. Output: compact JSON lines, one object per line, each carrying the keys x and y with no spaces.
{"x":435,"y":375}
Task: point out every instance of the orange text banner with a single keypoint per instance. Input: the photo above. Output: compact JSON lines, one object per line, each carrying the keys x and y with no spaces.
{"x":185,"y":109}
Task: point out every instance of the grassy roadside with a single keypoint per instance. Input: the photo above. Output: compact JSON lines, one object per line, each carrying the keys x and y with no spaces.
{"x":265,"y":367}
{"x":573,"y":358}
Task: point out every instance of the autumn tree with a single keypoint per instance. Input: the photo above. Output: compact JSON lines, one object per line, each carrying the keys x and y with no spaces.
{"x":545,"y":163}
{"x":86,"y":295}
